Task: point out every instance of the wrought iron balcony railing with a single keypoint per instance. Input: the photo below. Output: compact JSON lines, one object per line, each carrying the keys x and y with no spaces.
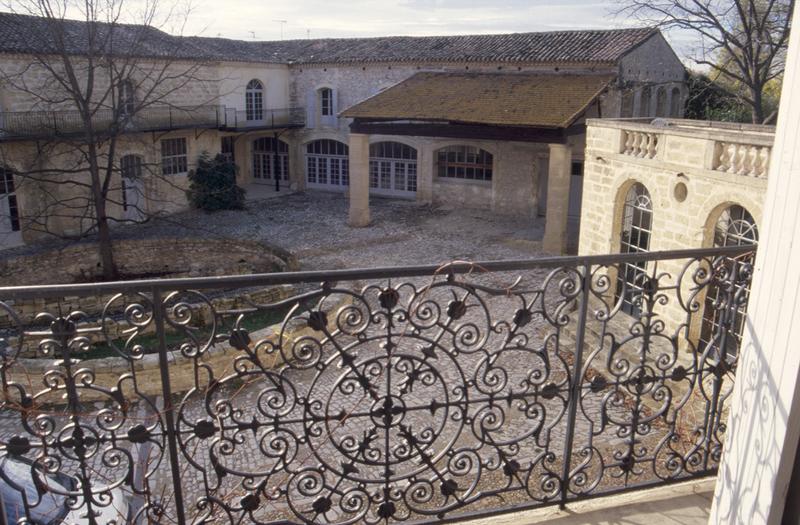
{"x":65,"y":123}
{"x":401,"y":394}
{"x":264,"y":119}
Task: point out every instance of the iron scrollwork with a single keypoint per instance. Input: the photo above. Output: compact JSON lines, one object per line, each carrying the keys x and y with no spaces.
{"x":387,"y":401}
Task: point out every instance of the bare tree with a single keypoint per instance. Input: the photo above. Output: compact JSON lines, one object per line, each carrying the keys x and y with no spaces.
{"x":743,"y":42}
{"x":92,"y":86}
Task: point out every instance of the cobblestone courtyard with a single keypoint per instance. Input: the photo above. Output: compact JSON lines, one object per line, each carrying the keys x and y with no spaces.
{"x":313,"y":227}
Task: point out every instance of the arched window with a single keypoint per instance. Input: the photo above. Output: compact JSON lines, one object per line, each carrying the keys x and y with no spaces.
{"x":675,"y":103}
{"x":626,"y":111}
{"x":328,"y":164}
{"x":661,"y":102}
{"x":735,"y":227}
{"x":127,"y":97}
{"x":393,"y":169}
{"x":131,"y":168}
{"x":254,"y":100}
{"x":637,"y":224}
{"x":644,"y":102}
{"x":270,"y":156}
{"x":464,"y":162}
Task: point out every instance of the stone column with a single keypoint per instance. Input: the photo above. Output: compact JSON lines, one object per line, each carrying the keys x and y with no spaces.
{"x":425,"y":162}
{"x":764,"y":422}
{"x":359,"y":180}
{"x":243,"y":152}
{"x":297,"y":164}
{"x":558,"y":175}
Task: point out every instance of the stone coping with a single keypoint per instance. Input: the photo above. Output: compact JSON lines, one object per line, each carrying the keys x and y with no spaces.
{"x":757,"y":135}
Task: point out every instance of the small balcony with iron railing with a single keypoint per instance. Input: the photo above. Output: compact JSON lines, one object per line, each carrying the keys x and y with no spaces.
{"x":49,"y":124}
{"x":418,"y":394}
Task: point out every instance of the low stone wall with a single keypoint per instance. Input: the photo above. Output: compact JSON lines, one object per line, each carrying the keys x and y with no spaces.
{"x":96,"y":375}
{"x":160,"y":257}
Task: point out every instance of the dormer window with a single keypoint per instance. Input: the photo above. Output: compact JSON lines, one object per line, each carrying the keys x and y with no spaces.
{"x":326,"y":102}
{"x":254,"y":100}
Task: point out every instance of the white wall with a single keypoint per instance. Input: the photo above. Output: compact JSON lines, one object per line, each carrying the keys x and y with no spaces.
{"x":764,"y":426}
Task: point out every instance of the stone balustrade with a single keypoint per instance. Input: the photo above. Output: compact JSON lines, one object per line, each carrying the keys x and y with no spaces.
{"x":640,"y":144}
{"x":741,"y":159}
{"x":686,"y":145}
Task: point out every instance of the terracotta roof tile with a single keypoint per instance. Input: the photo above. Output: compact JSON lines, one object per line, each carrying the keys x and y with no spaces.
{"x":510,"y":99}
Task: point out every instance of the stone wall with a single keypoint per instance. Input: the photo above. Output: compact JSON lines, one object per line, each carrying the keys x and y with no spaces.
{"x":152,"y":257}
{"x":678,"y":166}
{"x":220,"y":358}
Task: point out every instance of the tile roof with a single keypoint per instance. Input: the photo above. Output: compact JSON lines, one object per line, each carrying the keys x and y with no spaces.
{"x":30,"y":34}
{"x":546,"y":47}
{"x":21,"y":33}
{"x":509,"y":99}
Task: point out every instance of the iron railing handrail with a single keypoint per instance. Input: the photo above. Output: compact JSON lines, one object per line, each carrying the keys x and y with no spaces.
{"x":272,"y":279}
{"x":57,"y":122}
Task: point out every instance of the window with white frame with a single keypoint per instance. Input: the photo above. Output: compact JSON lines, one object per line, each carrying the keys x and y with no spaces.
{"x":174,"y":159}
{"x":270,"y":156}
{"x":464,"y":162}
{"x":9,"y":209}
{"x":722,"y":329}
{"x":127,"y":97}
{"x":326,"y":102}
{"x":637,"y":227}
{"x":392,"y":169}
{"x":254,"y":100}
{"x":328,"y":164}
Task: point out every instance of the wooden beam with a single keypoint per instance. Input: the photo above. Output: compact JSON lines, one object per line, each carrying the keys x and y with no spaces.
{"x":460,"y":131}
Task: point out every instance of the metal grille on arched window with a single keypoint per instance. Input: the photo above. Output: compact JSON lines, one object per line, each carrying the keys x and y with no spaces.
{"x":254,"y":100}
{"x":266,"y":151}
{"x":637,"y":224}
{"x":725,"y":307}
{"x":393,"y":169}
{"x":328,"y":164}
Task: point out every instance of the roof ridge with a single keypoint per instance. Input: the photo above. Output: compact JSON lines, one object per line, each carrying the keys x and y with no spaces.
{"x":649,"y":29}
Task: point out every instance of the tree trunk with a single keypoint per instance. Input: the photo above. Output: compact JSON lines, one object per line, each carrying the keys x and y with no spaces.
{"x":106,"y":249}
{"x":104,"y":245}
{"x":758,"y":105}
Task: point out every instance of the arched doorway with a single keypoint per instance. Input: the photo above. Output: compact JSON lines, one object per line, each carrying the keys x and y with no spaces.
{"x":723,"y":324}
{"x":637,"y":224}
{"x":328,"y":165}
{"x":266,"y":152}
{"x":393,"y":169}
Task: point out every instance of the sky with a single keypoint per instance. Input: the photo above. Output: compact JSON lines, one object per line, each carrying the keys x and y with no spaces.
{"x":289,"y":19}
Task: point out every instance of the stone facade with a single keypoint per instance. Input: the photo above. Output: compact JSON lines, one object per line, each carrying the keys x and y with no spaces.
{"x":692,"y":171}
{"x":520,"y":169}
{"x":686,"y":156}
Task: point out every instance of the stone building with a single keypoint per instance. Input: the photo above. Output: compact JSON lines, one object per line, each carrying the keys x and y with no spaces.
{"x":669,"y":184}
{"x":489,"y":121}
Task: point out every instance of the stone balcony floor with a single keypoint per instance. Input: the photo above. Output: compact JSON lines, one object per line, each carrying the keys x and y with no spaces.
{"x":681,"y":504}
